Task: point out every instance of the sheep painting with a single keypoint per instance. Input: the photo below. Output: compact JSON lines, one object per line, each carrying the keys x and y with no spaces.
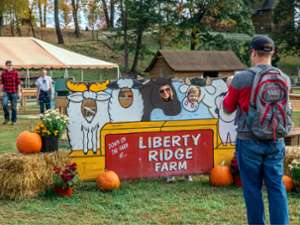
{"x":126,"y":103}
{"x":210,"y":92}
{"x":226,"y":122}
{"x":87,"y":111}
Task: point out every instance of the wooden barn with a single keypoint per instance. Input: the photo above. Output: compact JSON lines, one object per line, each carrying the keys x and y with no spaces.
{"x":182,"y":64}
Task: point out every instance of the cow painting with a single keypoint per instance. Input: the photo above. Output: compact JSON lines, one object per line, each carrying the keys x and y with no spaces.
{"x":87,"y":111}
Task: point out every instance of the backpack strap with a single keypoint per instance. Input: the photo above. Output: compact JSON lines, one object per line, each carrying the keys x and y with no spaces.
{"x":256,"y":71}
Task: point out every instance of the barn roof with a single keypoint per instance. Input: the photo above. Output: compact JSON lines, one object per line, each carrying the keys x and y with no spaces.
{"x":194,"y":61}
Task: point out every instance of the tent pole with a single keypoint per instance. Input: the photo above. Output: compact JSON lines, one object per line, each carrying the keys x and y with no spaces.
{"x":27,"y":78}
{"x":81,"y":75}
{"x":118,"y":73}
{"x":66,"y":75}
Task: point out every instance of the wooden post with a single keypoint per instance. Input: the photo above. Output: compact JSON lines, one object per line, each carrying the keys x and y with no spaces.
{"x":118,"y":73}
{"x":27,"y":78}
{"x":81,"y":75}
{"x":66,"y":75}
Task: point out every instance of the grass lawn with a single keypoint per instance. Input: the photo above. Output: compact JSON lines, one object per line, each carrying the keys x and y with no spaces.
{"x":137,"y":202}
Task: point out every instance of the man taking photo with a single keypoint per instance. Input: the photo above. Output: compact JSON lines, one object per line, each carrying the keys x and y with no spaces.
{"x":261,"y":96}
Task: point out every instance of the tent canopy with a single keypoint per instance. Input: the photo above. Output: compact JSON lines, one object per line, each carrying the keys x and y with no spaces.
{"x":28,"y":52}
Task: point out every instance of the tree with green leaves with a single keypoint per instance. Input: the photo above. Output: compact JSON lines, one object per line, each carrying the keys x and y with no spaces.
{"x":286,"y":18}
{"x":145,"y":15}
{"x":15,"y":12}
{"x":202,"y":16}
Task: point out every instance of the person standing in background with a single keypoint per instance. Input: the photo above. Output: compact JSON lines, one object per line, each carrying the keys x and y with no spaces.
{"x":44,"y":89}
{"x":11,"y":86}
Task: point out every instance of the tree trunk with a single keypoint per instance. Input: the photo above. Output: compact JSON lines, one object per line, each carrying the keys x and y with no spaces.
{"x":112,"y":13}
{"x":140,"y":32}
{"x":59,"y":35}
{"x":18,"y":26}
{"x":40,"y":13}
{"x":196,"y":20}
{"x":159,"y":27}
{"x":75,"y":6}
{"x":193,"y":39}
{"x":125,"y":34}
{"x":93,"y":33}
{"x":31,"y":22}
{"x":105,"y":9}
{"x":12,"y":27}
{"x":45,"y":15}
{"x":1,"y":23}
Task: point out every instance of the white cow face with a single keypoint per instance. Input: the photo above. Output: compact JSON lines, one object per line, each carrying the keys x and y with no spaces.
{"x":88,"y":102}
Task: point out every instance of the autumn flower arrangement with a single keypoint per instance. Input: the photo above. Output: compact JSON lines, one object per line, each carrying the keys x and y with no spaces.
{"x":64,"y":179}
{"x":52,"y":123}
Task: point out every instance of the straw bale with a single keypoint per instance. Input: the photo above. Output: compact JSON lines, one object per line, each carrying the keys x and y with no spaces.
{"x":25,"y":176}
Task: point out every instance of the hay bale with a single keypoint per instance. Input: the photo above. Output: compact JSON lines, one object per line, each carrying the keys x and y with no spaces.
{"x":25,"y":176}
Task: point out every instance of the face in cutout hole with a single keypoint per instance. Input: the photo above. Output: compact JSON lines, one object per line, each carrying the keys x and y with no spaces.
{"x":194,"y":94}
{"x":125,"y":97}
{"x":166,"y":93}
{"x":89,"y":109}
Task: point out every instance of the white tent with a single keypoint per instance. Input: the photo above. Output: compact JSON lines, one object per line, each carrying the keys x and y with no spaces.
{"x":28,"y":52}
{"x":31,"y":53}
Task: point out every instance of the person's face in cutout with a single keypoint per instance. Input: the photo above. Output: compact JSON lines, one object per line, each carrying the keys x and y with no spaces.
{"x":125,"y":97}
{"x":166,"y":93}
{"x":193,"y":95}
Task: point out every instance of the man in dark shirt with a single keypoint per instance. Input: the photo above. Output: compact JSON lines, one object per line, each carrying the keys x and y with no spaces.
{"x":11,"y":89}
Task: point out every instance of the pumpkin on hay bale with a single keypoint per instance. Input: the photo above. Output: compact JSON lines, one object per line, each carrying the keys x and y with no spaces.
{"x":28,"y":142}
{"x":26,"y":176}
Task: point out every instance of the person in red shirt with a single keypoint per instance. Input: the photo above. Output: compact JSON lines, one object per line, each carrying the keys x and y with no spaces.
{"x":260,"y":160}
{"x":10,"y":81}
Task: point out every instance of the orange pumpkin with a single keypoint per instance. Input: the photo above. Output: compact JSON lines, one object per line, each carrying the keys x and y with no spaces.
{"x":28,"y":142}
{"x":288,"y":183}
{"x":108,"y":180}
{"x":220,"y":175}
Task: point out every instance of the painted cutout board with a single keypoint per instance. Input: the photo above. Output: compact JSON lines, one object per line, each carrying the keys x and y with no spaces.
{"x":105,"y":114}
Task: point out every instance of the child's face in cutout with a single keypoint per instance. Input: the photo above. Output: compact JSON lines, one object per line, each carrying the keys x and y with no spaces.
{"x":193,"y":95}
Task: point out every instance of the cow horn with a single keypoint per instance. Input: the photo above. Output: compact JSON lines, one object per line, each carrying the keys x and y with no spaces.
{"x":76,"y":87}
{"x":97,"y":86}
